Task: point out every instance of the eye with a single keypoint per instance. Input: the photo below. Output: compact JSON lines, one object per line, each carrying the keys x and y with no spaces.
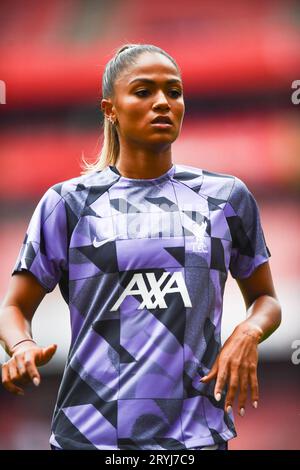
{"x":175,"y":93}
{"x":142,"y":92}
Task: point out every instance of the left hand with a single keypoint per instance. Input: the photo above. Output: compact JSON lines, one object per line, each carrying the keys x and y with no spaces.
{"x":237,"y":364}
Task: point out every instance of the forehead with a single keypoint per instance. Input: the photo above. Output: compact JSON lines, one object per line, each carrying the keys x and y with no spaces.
{"x":153,"y":65}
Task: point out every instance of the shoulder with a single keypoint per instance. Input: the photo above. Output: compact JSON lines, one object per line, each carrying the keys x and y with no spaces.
{"x":241,"y":198}
{"x":208,"y":183}
{"x":75,"y":194}
{"x":83,"y":183}
{"x":242,"y":204}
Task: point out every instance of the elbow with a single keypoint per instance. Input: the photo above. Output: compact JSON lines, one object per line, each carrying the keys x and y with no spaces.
{"x":277,"y":313}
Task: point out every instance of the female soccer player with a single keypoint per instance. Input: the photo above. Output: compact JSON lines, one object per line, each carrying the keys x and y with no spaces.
{"x":141,"y":248}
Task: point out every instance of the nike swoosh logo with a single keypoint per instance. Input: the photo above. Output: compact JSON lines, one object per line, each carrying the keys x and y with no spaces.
{"x":96,"y":244}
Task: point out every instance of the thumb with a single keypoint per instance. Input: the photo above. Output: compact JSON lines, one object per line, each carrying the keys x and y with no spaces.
{"x":45,"y":354}
{"x":211,"y":375}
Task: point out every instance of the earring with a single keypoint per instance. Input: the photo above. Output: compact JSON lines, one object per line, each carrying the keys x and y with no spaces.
{"x":111,"y":120}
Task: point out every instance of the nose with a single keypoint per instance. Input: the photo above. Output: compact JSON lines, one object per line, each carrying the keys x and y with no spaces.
{"x":161,"y":101}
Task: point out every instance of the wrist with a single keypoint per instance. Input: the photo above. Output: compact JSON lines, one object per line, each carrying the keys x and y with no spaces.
{"x":251,"y":330}
{"x":20,"y":343}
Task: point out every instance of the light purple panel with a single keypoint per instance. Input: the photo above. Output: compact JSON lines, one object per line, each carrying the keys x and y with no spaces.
{"x":194,"y":422}
{"x":94,"y":356}
{"x":219,"y":226}
{"x":158,"y":355}
{"x":136,"y":254}
{"x":92,"y":425}
{"x":214,"y":417}
{"x":190,"y":200}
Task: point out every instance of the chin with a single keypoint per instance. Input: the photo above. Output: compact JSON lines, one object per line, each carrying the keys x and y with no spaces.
{"x":163,"y":138}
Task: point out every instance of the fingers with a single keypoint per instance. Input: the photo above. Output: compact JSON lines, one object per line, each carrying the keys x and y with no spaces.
{"x":220,"y":382}
{"x":211,"y":375}
{"x":232,"y":389}
{"x":37,"y":357}
{"x":31,"y":369}
{"x":242,"y":378}
{"x":220,"y":374}
{"x":254,"y":385}
{"x":243,"y":390}
{"x":45,"y":354}
{"x":13,"y":371}
{"x":7,"y":382}
{"x":22,"y":367}
{"x":238,"y":374}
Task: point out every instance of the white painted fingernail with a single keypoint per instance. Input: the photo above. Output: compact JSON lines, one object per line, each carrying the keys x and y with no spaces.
{"x":218,"y":396}
{"x":255,"y":404}
{"x":36,"y":381}
{"x":229,"y":409}
{"x":242,"y":411}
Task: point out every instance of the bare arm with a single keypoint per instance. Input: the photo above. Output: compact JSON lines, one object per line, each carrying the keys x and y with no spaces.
{"x":237,"y":360}
{"x":23,"y":296}
{"x":263,"y":308}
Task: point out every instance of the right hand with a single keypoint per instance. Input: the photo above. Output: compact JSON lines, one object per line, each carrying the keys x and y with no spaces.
{"x":21,"y":368}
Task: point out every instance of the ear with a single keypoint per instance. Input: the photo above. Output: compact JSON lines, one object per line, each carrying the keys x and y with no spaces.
{"x":107,"y":107}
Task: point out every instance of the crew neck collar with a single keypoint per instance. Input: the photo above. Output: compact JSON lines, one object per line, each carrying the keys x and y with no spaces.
{"x":168,"y":174}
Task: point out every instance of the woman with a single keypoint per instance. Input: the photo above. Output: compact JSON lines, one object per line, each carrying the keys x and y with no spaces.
{"x":141,"y":249}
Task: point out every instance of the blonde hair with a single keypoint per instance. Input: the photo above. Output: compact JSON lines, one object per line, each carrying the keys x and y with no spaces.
{"x":124,"y":57}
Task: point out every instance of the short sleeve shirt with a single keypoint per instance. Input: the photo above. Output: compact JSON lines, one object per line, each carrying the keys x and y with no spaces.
{"x":142,"y":265}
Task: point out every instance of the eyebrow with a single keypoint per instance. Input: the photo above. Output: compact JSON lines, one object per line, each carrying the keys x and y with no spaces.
{"x":148,"y":80}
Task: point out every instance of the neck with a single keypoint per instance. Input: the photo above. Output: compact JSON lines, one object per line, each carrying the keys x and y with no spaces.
{"x":143,"y":163}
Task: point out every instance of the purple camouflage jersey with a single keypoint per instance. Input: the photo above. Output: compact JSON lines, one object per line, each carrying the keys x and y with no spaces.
{"x":142,"y":265}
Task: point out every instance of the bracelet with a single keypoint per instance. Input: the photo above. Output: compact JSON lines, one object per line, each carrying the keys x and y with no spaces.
{"x":22,"y":341}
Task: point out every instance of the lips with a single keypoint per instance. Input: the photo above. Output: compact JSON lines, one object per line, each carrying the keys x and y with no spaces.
{"x":162,"y":120}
